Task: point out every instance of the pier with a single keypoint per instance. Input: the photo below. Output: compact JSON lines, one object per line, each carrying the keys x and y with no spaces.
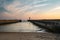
{"x":52,"y":26}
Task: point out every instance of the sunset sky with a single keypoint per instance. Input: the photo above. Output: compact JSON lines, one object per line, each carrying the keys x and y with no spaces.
{"x":36,"y":9}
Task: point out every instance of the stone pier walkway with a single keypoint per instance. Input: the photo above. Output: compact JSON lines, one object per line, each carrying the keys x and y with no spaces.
{"x":28,"y":36}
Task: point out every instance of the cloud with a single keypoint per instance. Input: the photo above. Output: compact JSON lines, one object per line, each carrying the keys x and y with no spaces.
{"x":4,"y":3}
{"x":38,"y":1}
{"x":54,"y":9}
{"x":2,"y":9}
{"x":32,"y":2}
{"x":18,"y":10}
{"x":39,"y":5}
{"x":34,"y":7}
{"x":19,"y":5}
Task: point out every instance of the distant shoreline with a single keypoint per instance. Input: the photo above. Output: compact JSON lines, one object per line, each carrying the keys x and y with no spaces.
{"x":2,"y":22}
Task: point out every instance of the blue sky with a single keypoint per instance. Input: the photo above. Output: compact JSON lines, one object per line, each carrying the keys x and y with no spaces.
{"x":20,"y":8}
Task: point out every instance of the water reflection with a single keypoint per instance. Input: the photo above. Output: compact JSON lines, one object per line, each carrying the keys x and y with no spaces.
{"x":20,"y":27}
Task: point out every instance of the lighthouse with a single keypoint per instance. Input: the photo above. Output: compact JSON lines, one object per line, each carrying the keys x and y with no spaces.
{"x":29,"y":18}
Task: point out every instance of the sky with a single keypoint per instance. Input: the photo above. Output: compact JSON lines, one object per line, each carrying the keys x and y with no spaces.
{"x":36,"y":9}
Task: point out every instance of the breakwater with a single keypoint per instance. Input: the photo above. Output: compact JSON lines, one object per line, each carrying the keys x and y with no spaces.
{"x":49,"y":25}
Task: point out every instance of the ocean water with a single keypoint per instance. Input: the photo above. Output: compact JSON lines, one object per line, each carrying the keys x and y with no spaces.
{"x":20,"y":27}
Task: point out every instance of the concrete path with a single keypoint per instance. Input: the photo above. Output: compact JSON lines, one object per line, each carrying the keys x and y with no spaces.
{"x":28,"y":36}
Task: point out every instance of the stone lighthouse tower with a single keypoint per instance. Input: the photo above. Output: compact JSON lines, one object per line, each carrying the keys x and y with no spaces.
{"x":29,"y":18}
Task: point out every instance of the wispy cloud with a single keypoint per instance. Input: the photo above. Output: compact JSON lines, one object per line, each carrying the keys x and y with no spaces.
{"x":54,"y":9}
{"x":38,"y":1}
{"x":39,"y":5}
{"x":4,"y":3}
